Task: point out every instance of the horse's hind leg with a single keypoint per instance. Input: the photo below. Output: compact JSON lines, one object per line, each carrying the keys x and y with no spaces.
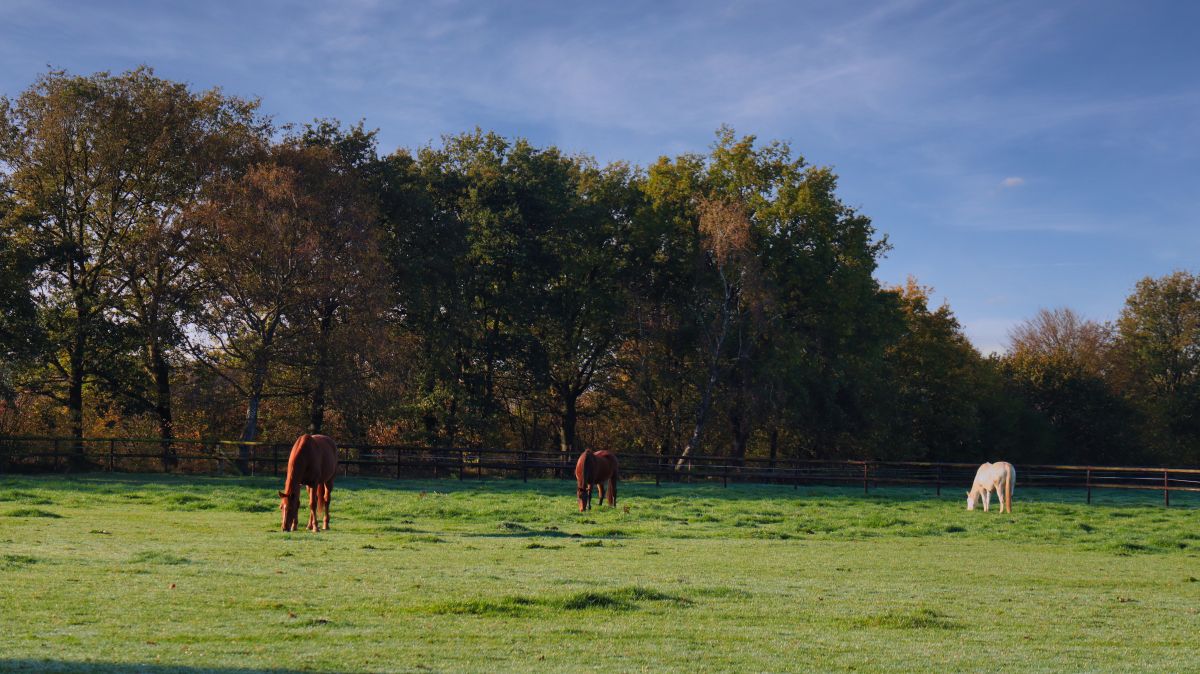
{"x":612,"y":492}
{"x":326,"y":496}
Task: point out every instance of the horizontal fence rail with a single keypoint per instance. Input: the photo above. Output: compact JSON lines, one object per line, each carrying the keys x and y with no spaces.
{"x":55,"y":454}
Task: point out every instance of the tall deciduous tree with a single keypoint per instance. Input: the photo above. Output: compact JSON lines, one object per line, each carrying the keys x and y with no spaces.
{"x":1059,"y":364}
{"x":780,"y":281}
{"x":191,"y":140}
{"x":1061,"y":334}
{"x":81,"y":152}
{"x":937,"y":377}
{"x":348,"y":286}
{"x":575,"y":289}
{"x":259,"y":263}
{"x":1158,"y":348}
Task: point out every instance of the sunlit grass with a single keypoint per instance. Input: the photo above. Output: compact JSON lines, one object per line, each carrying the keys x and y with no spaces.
{"x":102,"y":573}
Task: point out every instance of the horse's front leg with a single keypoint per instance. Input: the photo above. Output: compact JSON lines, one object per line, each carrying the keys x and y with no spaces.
{"x":987,"y":499}
{"x":314,"y":495}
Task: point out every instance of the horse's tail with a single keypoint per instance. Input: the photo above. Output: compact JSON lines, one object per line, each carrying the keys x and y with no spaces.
{"x":1008,"y":485}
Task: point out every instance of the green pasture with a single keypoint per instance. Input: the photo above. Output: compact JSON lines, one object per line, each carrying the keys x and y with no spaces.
{"x":108,"y":573}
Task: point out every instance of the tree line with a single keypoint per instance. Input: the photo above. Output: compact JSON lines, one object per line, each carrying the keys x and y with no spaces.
{"x":174,"y":263}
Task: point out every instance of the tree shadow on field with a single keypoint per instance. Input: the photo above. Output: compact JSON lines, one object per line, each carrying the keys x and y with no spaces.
{"x":640,"y":489}
{"x":106,"y":483}
{"x":850,"y":493}
{"x":109,"y":483}
{"x":68,"y":666}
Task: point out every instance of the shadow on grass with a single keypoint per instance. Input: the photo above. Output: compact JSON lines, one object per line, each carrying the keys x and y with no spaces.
{"x":693,"y":493}
{"x":67,"y":666}
{"x":531,"y":533}
{"x":621,"y":599}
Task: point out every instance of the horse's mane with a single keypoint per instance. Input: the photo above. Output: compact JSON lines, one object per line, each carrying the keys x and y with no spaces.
{"x":289,"y":483}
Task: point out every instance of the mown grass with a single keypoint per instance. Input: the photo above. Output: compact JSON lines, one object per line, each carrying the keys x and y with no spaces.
{"x":110,"y":573}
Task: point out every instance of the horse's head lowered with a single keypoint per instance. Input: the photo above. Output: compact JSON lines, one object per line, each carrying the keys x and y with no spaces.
{"x":971,"y":499}
{"x":583,"y":480}
{"x":289,"y":505}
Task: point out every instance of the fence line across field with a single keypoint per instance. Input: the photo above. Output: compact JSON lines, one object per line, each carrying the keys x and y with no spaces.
{"x":50,"y":453}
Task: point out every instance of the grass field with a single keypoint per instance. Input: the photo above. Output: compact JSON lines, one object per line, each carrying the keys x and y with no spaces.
{"x":118,"y":573}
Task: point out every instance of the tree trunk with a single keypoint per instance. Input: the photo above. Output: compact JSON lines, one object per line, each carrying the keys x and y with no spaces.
{"x":566,"y":426}
{"x":75,"y":397}
{"x":429,"y":419}
{"x":452,"y":422}
{"x":774,"y":446}
{"x":741,"y":435}
{"x":257,"y":380}
{"x":249,"y":432}
{"x":316,"y":417}
{"x":693,"y":443}
{"x":714,"y":371}
{"x":316,"y":414}
{"x":161,"y":370}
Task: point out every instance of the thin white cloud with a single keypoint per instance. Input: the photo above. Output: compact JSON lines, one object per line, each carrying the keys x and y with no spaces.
{"x":1012,"y":181}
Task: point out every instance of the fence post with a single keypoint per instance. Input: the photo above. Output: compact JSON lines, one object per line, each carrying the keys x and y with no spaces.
{"x":524,"y":466}
{"x":275,"y":460}
{"x":939,"y":480}
{"x":1089,"y":486}
{"x":1166,"y":489}
{"x":725,"y":474}
{"x":398,"y":455}
{"x":112,"y":452}
{"x":462,"y":464}
{"x":865,"y":483}
{"x":658,"y":472}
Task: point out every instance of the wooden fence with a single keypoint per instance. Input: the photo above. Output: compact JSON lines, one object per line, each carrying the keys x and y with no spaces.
{"x":56,"y":454}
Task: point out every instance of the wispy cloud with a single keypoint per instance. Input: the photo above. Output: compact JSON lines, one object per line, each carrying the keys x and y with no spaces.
{"x":1012,"y":181}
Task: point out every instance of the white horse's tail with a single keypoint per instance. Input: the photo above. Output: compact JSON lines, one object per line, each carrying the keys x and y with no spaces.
{"x":1008,"y":486}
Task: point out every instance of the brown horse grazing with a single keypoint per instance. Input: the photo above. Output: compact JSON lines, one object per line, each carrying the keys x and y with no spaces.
{"x":312,"y":463}
{"x":594,"y":469}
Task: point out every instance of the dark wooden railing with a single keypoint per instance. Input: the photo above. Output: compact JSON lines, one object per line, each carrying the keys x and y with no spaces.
{"x":56,"y":454}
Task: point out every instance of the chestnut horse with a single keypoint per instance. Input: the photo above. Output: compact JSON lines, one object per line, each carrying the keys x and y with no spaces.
{"x":595,"y":469}
{"x":312,"y":463}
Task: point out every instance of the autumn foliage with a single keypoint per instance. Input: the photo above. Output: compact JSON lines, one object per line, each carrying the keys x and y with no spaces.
{"x":176,"y":265}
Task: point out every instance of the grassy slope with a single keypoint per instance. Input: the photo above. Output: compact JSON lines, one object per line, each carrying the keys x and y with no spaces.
{"x":192,"y":573}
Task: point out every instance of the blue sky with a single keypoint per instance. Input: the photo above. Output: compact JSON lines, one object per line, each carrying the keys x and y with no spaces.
{"x":1017,"y":154}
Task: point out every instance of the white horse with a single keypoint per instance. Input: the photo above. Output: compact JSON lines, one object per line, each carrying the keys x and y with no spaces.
{"x":998,"y":477}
